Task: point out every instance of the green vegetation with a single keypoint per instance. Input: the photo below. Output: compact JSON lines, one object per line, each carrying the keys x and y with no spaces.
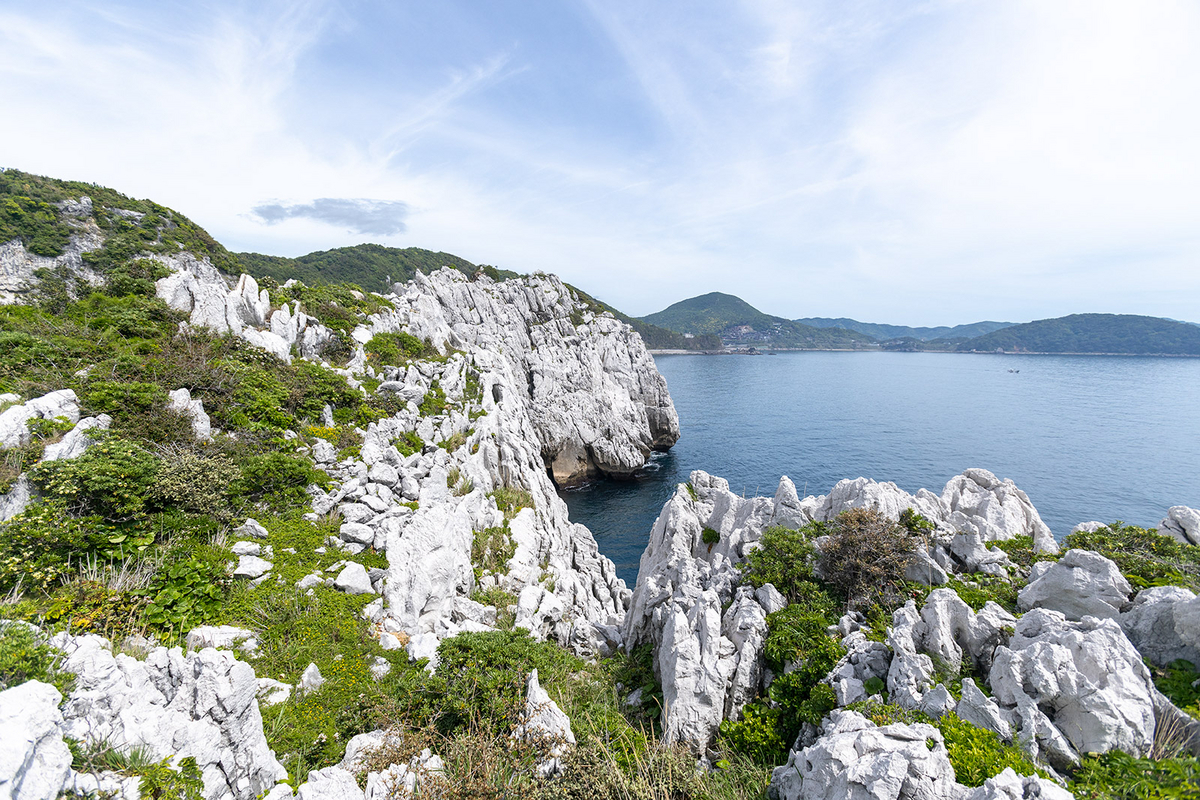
{"x":884,"y":333}
{"x":865,"y":557}
{"x":654,"y":336}
{"x":511,"y":500}
{"x":1118,"y":776}
{"x":1093,"y":333}
{"x":160,"y":780}
{"x":395,"y":349}
{"x":370,"y":265}
{"x":29,"y":211}
{"x":25,"y":656}
{"x":1145,"y":557}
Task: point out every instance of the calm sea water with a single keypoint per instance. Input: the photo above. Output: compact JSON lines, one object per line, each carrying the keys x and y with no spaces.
{"x":1101,"y":438}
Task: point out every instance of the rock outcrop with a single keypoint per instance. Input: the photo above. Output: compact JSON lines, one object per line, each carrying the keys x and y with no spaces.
{"x":200,"y":705}
{"x":35,"y":762}
{"x":1182,"y":523}
{"x":1080,"y":584}
{"x":708,"y":632}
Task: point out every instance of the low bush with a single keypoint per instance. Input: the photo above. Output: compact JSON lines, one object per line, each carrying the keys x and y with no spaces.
{"x":511,"y":500}
{"x":111,"y":480}
{"x":756,"y":735}
{"x":977,"y":754}
{"x":1119,"y":776}
{"x":491,"y":549}
{"x":408,"y":443}
{"x":198,"y":484}
{"x":185,"y":594}
{"x":785,"y":559}
{"x":26,"y":656}
{"x":865,"y":556}
{"x":279,"y":480}
{"x":434,"y":402}
{"x":395,"y":349}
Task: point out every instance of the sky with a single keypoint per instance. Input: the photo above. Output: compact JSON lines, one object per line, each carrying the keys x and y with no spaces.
{"x":919,"y":163}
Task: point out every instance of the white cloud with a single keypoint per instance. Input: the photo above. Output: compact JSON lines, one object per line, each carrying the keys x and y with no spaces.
{"x":923,"y":163}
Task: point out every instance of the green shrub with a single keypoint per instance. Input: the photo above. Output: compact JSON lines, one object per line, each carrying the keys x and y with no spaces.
{"x":756,"y":734}
{"x":482,"y":677}
{"x":985,"y":588}
{"x":977,"y":754}
{"x":1020,"y":550}
{"x":1145,"y":557}
{"x":710,"y":537}
{"x":785,"y":559}
{"x":195,"y":483}
{"x":112,"y":479}
{"x":25,"y":656}
{"x":86,"y":606}
{"x":395,"y":349}
{"x":1180,"y":681}
{"x":491,"y":549}
{"x":915,"y":523}
{"x":434,"y":402}
{"x":280,"y":479}
{"x":511,"y":500}
{"x":865,"y":557}
{"x":797,"y":634}
{"x":185,"y":594}
{"x":123,"y":399}
{"x":408,"y":443}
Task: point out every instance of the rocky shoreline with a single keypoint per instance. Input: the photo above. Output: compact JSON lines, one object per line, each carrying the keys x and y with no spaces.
{"x":444,"y":522}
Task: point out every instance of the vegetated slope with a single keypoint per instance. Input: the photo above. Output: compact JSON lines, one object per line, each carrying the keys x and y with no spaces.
{"x":738,"y":322}
{"x":885,"y":332}
{"x":36,"y":210}
{"x":1093,"y":333}
{"x":374,"y":267}
{"x":655,"y":337}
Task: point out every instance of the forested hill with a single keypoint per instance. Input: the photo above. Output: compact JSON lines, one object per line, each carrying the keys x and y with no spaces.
{"x":739,"y":323}
{"x":374,"y":267}
{"x":1093,"y":333}
{"x":885,"y":332}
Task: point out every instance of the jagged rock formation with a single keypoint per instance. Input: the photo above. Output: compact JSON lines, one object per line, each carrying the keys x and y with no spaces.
{"x":854,"y":759}
{"x":709,"y":657}
{"x":1182,"y":523}
{"x":201,"y":704}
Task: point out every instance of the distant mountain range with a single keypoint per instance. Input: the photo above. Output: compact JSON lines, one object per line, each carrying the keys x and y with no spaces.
{"x":739,"y":324}
{"x":883,"y":332}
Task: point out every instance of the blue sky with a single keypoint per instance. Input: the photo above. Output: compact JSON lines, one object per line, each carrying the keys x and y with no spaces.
{"x":914,"y":163}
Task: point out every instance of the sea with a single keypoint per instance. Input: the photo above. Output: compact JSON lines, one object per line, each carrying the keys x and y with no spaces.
{"x":1087,"y":437}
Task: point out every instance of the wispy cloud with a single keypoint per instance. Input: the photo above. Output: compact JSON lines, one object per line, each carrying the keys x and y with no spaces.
{"x":371,"y":217}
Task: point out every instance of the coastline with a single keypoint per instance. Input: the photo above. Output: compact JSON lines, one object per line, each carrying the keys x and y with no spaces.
{"x":879,"y":350}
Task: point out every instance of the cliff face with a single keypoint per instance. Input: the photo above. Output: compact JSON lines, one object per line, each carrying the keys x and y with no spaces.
{"x":534,"y":385}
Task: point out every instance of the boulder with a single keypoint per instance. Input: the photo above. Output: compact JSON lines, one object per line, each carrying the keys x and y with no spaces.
{"x":331,"y":783}
{"x":856,"y":760}
{"x":252,"y":529}
{"x":14,"y":421}
{"x":251,"y":567}
{"x":311,"y":680}
{"x":16,"y":499}
{"x":977,"y":501}
{"x":224,"y":637}
{"x":182,"y":402}
{"x":1008,"y":785}
{"x":1182,"y":524}
{"x":545,"y":724}
{"x":1150,"y":624}
{"x":35,"y":763}
{"x":1080,"y":584}
{"x":353,"y":579}
{"x":1084,"y":677}
{"x":76,"y":442}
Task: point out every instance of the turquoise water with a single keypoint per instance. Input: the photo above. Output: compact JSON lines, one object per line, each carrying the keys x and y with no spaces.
{"x":1087,"y":438}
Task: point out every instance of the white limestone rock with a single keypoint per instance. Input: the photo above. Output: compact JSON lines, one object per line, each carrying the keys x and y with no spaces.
{"x":34,"y":760}
{"x":14,"y":428}
{"x":272,"y":692}
{"x":1008,"y":785}
{"x":353,"y":579}
{"x":16,"y":499}
{"x":1080,"y":584}
{"x":330,"y":783}
{"x":981,"y":711}
{"x":855,"y":760}
{"x":222,"y":637}
{"x":1085,"y":677}
{"x":182,"y":402}
{"x":1182,"y":524}
{"x":544,"y":724}
{"x":251,"y":567}
{"x":311,"y":680}
{"x":1150,"y":624}
{"x":201,"y":705}
{"x":980,"y":502}
{"x":252,"y":528}
{"x":76,"y":441}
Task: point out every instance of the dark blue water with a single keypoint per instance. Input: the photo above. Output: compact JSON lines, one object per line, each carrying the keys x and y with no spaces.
{"x":1102,"y":438}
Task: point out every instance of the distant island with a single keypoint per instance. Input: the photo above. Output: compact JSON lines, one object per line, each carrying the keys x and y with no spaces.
{"x":740,"y":325}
